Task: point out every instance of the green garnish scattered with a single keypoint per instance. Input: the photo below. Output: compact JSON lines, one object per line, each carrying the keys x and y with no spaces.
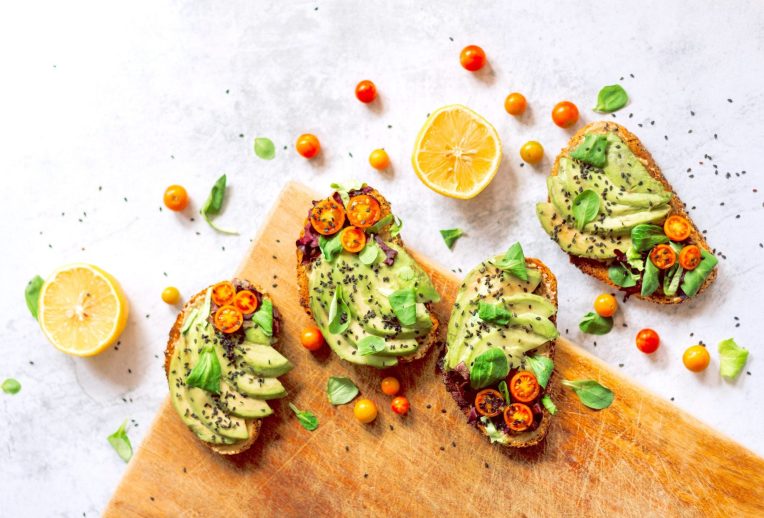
{"x":369,"y":254}
{"x":339,"y":312}
{"x":611,"y":98}
{"x":591,"y":393}
{"x":732,"y":358}
{"x":593,"y":150}
{"x":489,"y":367}
{"x":306,"y":418}
{"x":594,"y":324}
{"x":330,"y":247}
{"x":340,"y":390}
{"x":586,"y":206}
{"x":622,"y":276}
{"x":650,"y":280}
{"x":121,"y":443}
{"x":694,"y":279}
{"x":370,"y":344}
{"x":11,"y":386}
{"x":264,"y":148}
{"x":504,"y":390}
{"x":514,"y":262}
{"x":403,"y":303}
{"x":214,"y":204}
{"x":450,"y":236}
{"x":263,"y":317}
{"x":32,"y":294}
{"x":493,"y":313}
{"x":645,"y":236}
{"x":542,"y":367}
{"x":344,"y":189}
{"x":206,"y":373}
{"x":549,"y":404}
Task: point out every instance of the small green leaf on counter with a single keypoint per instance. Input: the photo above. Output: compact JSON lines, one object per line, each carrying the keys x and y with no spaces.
{"x":593,"y":150}
{"x":344,"y":189}
{"x":514,"y":262}
{"x":493,"y":313}
{"x":341,"y":390}
{"x":306,"y":418}
{"x":263,"y":317}
{"x":403,"y":303}
{"x":586,"y":206}
{"x":370,"y":252}
{"x":214,"y":204}
{"x":489,"y":367}
{"x":206,"y":373}
{"x":264,"y":148}
{"x":450,"y":235}
{"x":32,"y":294}
{"x":732,"y":358}
{"x":542,"y":367}
{"x":650,"y":280}
{"x":504,"y":391}
{"x":330,"y":247}
{"x":645,"y":236}
{"x":549,"y":404}
{"x":622,"y":276}
{"x":339,"y":313}
{"x":611,"y":98}
{"x":371,"y":344}
{"x":594,"y":324}
{"x":11,"y":386}
{"x":591,"y":393}
{"x":121,"y":443}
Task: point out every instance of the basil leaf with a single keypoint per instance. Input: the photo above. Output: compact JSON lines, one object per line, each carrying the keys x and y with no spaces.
{"x":340,"y":390}
{"x":549,"y":404}
{"x":645,"y":236}
{"x":671,"y":279}
{"x":594,"y":324}
{"x":634,"y":258}
{"x":611,"y":98}
{"x":504,"y":390}
{"x":591,"y":393}
{"x":214,"y":204}
{"x":343,"y":190}
{"x":403,"y":303}
{"x":450,"y":236}
{"x":593,"y":150}
{"x":650,"y":281}
{"x":11,"y":386}
{"x":586,"y":206}
{"x":206,"y":373}
{"x":370,"y":344}
{"x":263,"y":317}
{"x":732,"y":358}
{"x":121,"y":443}
{"x":32,"y":294}
{"x":514,"y":262}
{"x":694,"y":279}
{"x":622,"y":276}
{"x":264,"y":148}
{"x":494,"y":434}
{"x":376,"y":228}
{"x":339,"y":313}
{"x":542,"y":367}
{"x":493,"y":313}
{"x":369,"y":254}
{"x":306,"y":418}
{"x":488,"y":368}
{"x":331,"y":247}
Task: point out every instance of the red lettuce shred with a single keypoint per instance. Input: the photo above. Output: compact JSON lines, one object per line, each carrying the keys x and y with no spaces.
{"x":389,"y":252}
{"x":308,"y":243}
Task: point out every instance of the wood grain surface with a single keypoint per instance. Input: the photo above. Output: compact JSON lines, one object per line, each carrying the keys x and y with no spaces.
{"x":640,"y":457}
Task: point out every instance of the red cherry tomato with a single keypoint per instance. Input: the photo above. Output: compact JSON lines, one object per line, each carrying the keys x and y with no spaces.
{"x":648,"y":341}
{"x":565,"y":114}
{"x":366,"y":91}
{"x":472,"y":58}
{"x":400,"y":405}
{"x":308,"y":145}
{"x":312,"y":339}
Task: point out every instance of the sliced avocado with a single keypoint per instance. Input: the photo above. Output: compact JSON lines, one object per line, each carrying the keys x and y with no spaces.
{"x":264,"y":360}
{"x":515,"y":342}
{"x":240,"y":405}
{"x":256,"y":335}
{"x":536,"y":324}
{"x":626,"y":170}
{"x":529,"y":302}
{"x":207,"y":408}
{"x":240,"y":377}
{"x":622,"y":225}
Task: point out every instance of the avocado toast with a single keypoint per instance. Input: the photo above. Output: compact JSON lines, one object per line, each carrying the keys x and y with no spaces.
{"x":222,"y":367}
{"x":368,"y":296}
{"x":500,"y":347}
{"x":615,"y":214}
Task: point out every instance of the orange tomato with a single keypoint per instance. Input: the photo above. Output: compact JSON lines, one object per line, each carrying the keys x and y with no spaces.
{"x":400,"y":405}
{"x":565,"y":114}
{"x":524,"y":387}
{"x":171,"y":295}
{"x":363,"y":211}
{"x":489,"y":402}
{"x":696,"y":358}
{"x":532,"y":152}
{"x":677,"y":228}
{"x":353,"y":239}
{"x":312,"y":339}
{"x":648,"y":341}
{"x":518,"y":417}
{"x":689,"y":257}
{"x":308,"y":145}
{"x":472,"y":58}
{"x":390,"y":386}
{"x":365,"y":410}
{"x":327,"y":216}
{"x":663,"y":257}
{"x":515,"y":103}
{"x":379,"y":159}
{"x":228,"y":319}
{"x":605,"y":305}
{"x":223,"y":293}
{"x":175,"y":198}
{"x":245,"y":301}
{"x":366,"y":91}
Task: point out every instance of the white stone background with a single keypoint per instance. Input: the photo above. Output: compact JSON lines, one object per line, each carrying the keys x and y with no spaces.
{"x":103,"y":105}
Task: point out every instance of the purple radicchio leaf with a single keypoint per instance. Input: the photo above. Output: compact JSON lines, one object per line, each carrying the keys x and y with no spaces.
{"x":389,"y":252}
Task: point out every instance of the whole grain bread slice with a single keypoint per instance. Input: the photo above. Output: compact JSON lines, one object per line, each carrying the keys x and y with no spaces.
{"x":304,"y":268}
{"x":598,"y":269}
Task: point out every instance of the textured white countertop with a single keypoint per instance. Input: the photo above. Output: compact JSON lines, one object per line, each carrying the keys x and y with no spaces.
{"x":102,"y":107}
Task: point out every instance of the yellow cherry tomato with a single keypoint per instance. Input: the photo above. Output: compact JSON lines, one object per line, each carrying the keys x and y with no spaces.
{"x":390,"y":386}
{"x":696,"y":358}
{"x":171,"y":295}
{"x":605,"y":305}
{"x":379,"y":159}
{"x":365,"y":410}
{"x":532,"y":152}
{"x":515,"y":103}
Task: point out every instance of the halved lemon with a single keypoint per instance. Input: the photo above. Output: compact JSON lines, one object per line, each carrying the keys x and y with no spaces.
{"x":82,"y":309}
{"x":457,"y":152}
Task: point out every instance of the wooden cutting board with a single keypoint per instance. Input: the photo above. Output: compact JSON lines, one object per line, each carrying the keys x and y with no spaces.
{"x":640,"y":457}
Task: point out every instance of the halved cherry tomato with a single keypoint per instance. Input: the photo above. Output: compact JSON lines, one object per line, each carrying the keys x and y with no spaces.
{"x":605,"y":305}
{"x":308,"y":145}
{"x":176,"y":198}
{"x":366,"y":91}
{"x":689,"y":257}
{"x":312,"y":339}
{"x":353,"y":239}
{"x":523,"y":387}
{"x":648,"y":341}
{"x":245,"y":301}
{"x":515,"y":103}
{"x":663,"y":257}
{"x":400,"y":405}
{"x":677,"y":228}
{"x":472,"y":58}
{"x":489,"y":402}
{"x":228,"y":319}
{"x":565,"y":114}
{"x":327,"y":216}
{"x":223,"y":293}
{"x":518,"y":417}
{"x":363,"y":211}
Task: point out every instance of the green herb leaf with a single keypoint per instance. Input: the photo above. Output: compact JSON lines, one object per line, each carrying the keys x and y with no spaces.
{"x":11,"y":386}
{"x":591,"y":393}
{"x":214,"y":204}
{"x":32,"y":294}
{"x":493,"y":313}
{"x":593,"y":150}
{"x":330,"y":247}
{"x":344,"y":189}
{"x":586,"y":206}
{"x":396,"y":227}
{"x":732,"y":358}
{"x":514,"y":262}
{"x":370,"y":344}
{"x":264,"y":148}
{"x":403,"y":303}
{"x":489,"y":367}
{"x":645,"y":236}
{"x":450,"y":236}
{"x":594,"y":324}
{"x":694,"y":279}
{"x":650,"y":278}
{"x":370,"y":252}
{"x":121,"y":443}
{"x":634,"y":258}
{"x":263,"y":317}
{"x":671,"y":280}
{"x":494,"y":434}
{"x":622,"y":276}
{"x":377,"y":227}
{"x":206,"y":373}
{"x":542,"y":367}
{"x":340,"y":390}
{"x":339,"y":313}
{"x":549,"y":404}
{"x":504,"y":390}
{"x":306,"y":418}
{"x":611,"y":98}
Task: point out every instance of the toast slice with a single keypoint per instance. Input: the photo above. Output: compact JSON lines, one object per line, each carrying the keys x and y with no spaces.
{"x":599,"y":269}
{"x":304,"y":264}
{"x":455,"y":382}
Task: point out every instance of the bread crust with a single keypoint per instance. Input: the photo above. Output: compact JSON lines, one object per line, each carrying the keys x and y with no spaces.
{"x":303,"y":274}
{"x":598,"y":269}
